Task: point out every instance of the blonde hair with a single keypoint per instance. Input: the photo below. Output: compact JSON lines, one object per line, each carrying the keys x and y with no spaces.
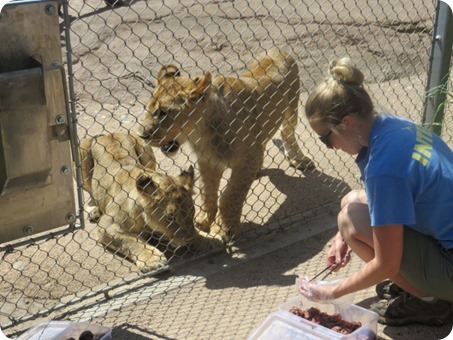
{"x":339,"y":95}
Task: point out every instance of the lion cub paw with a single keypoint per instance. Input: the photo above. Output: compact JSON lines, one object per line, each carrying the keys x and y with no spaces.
{"x":227,"y":235}
{"x":202,"y":221}
{"x":204,"y":242}
{"x":151,"y":264}
{"x":302,"y":164}
{"x":94,"y":215}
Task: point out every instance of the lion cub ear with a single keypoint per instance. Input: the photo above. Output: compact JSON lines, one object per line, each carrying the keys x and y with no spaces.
{"x":203,"y":85}
{"x":168,"y":71}
{"x":186,"y":178}
{"x":146,"y":185}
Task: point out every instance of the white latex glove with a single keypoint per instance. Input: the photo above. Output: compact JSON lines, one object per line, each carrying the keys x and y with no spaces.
{"x":316,"y":290}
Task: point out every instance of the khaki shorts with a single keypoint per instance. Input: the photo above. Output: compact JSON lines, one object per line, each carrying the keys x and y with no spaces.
{"x":427,"y":265}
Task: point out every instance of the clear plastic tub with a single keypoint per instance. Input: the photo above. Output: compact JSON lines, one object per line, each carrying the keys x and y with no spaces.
{"x":46,"y":331}
{"x":283,"y":325}
{"x":349,"y":312}
{"x":278,"y":326}
{"x":63,"y":330}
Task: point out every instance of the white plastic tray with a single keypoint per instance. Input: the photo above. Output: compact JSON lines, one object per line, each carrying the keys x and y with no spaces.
{"x":63,"y":330}
{"x":283,"y":325}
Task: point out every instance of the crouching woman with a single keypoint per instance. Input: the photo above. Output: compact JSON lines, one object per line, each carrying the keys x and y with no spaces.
{"x":401,"y":224}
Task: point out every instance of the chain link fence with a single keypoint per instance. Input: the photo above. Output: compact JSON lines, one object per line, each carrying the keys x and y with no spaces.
{"x":114,"y":53}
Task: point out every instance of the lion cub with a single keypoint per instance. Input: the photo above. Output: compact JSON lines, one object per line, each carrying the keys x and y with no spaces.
{"x":135,"y":201}
{"x":228,"y":122}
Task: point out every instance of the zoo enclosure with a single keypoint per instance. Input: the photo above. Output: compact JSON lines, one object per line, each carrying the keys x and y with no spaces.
{"x":112,"y":58}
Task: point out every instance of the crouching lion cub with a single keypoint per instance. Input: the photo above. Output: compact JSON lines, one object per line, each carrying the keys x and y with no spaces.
{"x":135,"y":201}
{"x":228,"y":122}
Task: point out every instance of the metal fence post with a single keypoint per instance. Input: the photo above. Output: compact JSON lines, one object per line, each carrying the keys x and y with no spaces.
{"x":439,"y":68}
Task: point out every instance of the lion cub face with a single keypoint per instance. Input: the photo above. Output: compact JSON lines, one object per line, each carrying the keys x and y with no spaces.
{"x":172,"y":111}
{"x":168,"y":207}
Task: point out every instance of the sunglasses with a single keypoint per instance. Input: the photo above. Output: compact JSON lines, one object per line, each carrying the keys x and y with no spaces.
{"x":326,"y":140}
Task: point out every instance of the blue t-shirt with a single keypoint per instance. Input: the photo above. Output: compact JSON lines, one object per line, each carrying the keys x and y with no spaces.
{"x":408,"y":175}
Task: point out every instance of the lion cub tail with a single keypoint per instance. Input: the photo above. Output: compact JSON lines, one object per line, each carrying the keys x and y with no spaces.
{"x":87,"y":163}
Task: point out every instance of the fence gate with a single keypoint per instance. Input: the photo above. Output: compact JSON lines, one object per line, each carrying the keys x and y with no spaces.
{"x":36,"y":182}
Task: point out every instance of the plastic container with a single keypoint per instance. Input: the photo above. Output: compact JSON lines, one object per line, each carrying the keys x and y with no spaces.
{"x":46,"y":331}
{"x":63,"y":330}
{"x":278,"y":326}
{"x":283,"y":325}
{"x":349,"y":312}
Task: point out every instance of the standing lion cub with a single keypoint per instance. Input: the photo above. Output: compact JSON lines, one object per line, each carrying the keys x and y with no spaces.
{"x":228,"y":121}
{"x":135,"y":202}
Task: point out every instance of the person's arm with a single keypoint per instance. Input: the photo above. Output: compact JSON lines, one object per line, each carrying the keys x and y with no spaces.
{"x":388,"y":244}
{"x":388,"y":250}
{"x":338,"y":253}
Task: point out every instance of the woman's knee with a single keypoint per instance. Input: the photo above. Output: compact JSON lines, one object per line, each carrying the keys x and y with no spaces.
{"x":354,"y":196}
{"x":354,"y":218}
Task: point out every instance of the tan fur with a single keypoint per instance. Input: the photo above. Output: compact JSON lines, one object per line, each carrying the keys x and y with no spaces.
{"x":135,"y":201}
{"x":228,"y":121}
{"x":127,"y":149}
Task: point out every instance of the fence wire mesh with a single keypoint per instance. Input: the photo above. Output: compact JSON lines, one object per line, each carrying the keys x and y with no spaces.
{"x":116,"y":51}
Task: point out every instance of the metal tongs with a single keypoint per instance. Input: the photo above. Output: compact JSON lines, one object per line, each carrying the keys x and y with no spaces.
{"x":330,"y":268}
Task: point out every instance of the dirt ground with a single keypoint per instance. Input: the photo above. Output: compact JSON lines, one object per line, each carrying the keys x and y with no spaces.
{"x":116,"y":54}
{"x":232,"y":302}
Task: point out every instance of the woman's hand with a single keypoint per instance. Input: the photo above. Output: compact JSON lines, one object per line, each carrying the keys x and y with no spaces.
{"x":314,"y":291}
{"x":338,"y":253}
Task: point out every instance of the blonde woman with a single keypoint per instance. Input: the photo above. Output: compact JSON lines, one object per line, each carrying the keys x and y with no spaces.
{"x":401,"y":224}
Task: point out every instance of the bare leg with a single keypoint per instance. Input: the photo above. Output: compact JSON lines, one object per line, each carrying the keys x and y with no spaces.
{"x":354,"y":224}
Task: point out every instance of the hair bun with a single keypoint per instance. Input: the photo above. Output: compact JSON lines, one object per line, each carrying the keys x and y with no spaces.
{"x":343,"y":70}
